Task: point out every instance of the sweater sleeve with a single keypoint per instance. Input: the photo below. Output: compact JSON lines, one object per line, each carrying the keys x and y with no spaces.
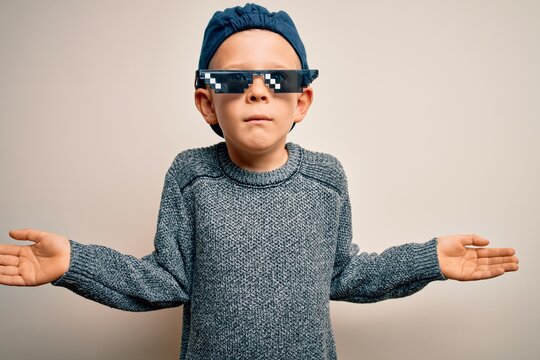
{"x":159,"y":280}
{"x":370,"y":277}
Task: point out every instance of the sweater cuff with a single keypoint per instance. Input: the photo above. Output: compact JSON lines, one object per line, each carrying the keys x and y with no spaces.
{"x":426,"y":261}
{"x":82,"y":265}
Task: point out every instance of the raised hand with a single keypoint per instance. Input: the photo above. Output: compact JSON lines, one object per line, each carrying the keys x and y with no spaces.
{"x":31,"y":265}
{"x":463,"y":263}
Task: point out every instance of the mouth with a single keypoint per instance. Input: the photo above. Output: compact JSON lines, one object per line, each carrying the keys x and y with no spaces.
{"x":258,"y":118}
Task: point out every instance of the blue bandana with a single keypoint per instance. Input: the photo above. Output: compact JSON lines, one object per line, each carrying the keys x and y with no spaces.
{"x":252,"y":16}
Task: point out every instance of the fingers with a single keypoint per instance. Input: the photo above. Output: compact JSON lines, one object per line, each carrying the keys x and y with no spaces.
{"x":27,"y":234}
{"x":490,"y":271}
{"x":9,"y":270}
{"x":510,"y":267}
{"x":9,"y":260}
{"x":474,"y":240}
{"x":498,"y":260}
{"x":10,"y":250}
{"x":505,"y":267}
{"x":494,"y":252}
{"x":12,"y":280}
{"x":487,"y":274}
{"x":497,"y":263}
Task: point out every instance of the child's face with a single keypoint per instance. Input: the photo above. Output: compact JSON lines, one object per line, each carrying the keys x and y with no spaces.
{"x":254,"y":50}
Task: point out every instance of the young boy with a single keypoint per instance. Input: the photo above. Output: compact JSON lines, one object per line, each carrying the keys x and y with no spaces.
{"x":254,"y":233}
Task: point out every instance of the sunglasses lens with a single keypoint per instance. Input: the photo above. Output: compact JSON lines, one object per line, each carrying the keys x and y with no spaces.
{"x":283,"y":81}
{"x":225,"y":82}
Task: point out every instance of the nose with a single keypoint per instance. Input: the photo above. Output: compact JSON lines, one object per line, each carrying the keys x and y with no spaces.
{"x":258,"y":91}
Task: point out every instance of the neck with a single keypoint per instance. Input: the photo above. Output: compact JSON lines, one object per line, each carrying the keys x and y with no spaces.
{"x":259,"y":160}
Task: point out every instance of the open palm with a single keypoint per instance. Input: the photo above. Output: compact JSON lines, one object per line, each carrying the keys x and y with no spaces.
{"x":460,"y":262}
{"x":31,"y":265}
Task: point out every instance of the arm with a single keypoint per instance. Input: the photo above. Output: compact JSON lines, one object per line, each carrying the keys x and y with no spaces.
{"x":160,"y":279}
{"x":403,"y":270}
{"x":370,"y":277}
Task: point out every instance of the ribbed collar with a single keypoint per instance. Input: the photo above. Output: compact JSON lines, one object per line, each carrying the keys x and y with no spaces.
{"x":255,"y":178}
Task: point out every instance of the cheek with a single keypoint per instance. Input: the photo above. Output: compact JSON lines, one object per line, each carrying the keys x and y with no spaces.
{"x":288,"y":104}
{"x":225,"y":106}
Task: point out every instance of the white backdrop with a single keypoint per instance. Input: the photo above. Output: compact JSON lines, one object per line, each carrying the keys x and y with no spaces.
{"x":432,"y":107}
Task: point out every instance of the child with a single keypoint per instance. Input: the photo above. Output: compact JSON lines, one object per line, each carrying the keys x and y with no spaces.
{"x":253,"y":233}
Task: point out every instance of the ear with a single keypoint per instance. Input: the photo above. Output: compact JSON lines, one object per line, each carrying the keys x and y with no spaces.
{"x":205,"y":105}
{"x":303,"y":103}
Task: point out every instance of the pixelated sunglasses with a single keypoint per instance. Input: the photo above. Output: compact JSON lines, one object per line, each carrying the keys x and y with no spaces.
{"x":236,"y":81}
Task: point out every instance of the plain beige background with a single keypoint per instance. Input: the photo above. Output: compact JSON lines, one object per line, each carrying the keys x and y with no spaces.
{"x":431,"y":106}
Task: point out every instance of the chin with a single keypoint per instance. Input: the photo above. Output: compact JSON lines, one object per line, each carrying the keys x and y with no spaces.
{"x":260,"y":143}
{"x":256,"y":139}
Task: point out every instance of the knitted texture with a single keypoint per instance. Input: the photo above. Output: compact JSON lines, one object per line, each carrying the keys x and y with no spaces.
{"x":254,"y":257}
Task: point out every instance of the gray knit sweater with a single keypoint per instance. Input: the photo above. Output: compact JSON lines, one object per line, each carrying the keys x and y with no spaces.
{"x":254,"y":257}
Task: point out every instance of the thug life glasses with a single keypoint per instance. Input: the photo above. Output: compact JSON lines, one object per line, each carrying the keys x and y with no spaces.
{"x":236,"y":81}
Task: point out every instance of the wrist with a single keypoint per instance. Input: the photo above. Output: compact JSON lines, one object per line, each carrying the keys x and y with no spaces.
{"x":440,"y":258}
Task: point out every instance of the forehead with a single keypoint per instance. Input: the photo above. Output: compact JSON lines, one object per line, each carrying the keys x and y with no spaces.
{"x":255,"y":49}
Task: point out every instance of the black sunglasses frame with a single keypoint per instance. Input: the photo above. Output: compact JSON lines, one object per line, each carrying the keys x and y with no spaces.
{"x":236,"y":81}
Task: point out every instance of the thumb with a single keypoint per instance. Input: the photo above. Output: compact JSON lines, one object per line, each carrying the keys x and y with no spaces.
{"x":474,"y":240}
{"x":27,"y":234}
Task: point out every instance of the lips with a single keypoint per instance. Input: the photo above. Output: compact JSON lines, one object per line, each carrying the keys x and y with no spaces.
{"x":258,"y":117}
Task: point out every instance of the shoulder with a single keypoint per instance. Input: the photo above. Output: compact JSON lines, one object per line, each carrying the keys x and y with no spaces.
{"x":190,"y":164}
{"x":325,"y":169}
